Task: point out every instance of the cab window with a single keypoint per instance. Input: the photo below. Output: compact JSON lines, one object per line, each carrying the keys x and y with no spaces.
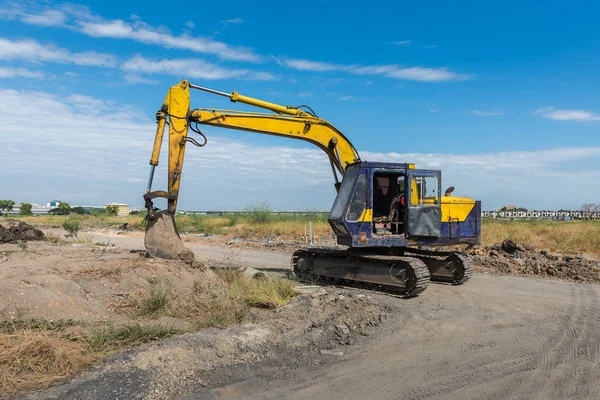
{"x":424,"y":191}
{"x":359,"y":200}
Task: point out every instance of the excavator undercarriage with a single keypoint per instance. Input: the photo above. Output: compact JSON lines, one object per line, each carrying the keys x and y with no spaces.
{"x":405,"y":275}
{"x":390,"y":219}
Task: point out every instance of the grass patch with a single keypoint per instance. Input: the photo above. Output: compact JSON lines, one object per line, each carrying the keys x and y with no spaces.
{"x":12,"y":326}
{"x":127,"y":335}
{"x":260,"y":293}
{"x":155,"y":300}
{"x":219,"y":312}
{"x":83,"y":239}
{"x":54,"y":239}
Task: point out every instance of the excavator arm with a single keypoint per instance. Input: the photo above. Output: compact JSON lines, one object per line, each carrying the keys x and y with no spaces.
{"x":162,"y":238}
{"x":308,"y":128}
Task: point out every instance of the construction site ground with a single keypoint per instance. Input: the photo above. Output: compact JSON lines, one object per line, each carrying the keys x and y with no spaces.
{"x":535,"y":335}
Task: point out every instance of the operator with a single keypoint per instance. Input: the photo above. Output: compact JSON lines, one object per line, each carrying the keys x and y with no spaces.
{"x":382,"y":197}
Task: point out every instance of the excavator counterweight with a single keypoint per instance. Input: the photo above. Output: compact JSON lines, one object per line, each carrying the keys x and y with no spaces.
{"x":391,"y":217}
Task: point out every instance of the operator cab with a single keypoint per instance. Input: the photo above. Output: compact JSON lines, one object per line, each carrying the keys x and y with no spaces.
{"x":386,"y":204}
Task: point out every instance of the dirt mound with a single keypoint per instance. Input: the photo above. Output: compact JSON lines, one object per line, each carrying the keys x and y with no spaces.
{"x":15,"y":231}
{"x":89,"y":283}
{"x":521,"y":259}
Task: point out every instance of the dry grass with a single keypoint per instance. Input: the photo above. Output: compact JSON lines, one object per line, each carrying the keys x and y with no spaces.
{"x":260,"y":293}
{"x":54,"y":239}
{"x":284,"y":227}
{"x":32,"y":359}
{"x":287,"y":230}
{"x":38,"y":354}
{"x":85,"y":221}
{"x":559,"y":236}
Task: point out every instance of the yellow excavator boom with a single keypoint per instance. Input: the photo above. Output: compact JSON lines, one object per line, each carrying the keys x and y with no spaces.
{"x":286,"y":121}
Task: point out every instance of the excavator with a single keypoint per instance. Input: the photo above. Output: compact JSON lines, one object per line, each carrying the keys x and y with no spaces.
{"x":390,"y":219}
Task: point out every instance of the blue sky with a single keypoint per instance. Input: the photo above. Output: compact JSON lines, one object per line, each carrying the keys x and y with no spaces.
{"x":503,"y":98}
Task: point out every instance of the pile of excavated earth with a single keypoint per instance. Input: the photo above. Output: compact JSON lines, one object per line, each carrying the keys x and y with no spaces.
{"x":521,"y":259}
{"x":17,"y":231}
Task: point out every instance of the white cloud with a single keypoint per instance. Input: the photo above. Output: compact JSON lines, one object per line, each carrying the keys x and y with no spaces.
{"x":71,"y":151}
{"x":87,"y":104}
{"x":306,"y":65}
{"x":190,"y":24}
{"x":421,"y":74}
{"x":45,"y":18}
{"x":369,"y":83}
{"x":433,"y":110}
{"x":7,"y":72}
{"x":403,"y":43}
{"x":79,"y":18}
{"x":480,"y":113}
{"x":144,"y":33}
{"x":191,"y":67}
{"x":430,"y":46}
{"x":567,"y":115}
{"x":411,"y":73}
{"x":31,"y":50}
{"x":305,"y":95}
{"x":137,"y":79}
{"x":348,"y":98}
{"x":233,"y":21}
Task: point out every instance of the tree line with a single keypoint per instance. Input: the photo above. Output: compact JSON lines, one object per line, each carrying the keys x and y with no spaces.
{"x":61,"y":209}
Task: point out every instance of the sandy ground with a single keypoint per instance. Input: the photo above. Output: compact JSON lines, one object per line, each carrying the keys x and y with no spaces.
{"x":496,"y":337}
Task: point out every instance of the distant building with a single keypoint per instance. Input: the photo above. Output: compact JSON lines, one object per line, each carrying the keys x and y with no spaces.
{"x":53,"y":203}
{"x":510,"y":207}
{"x":36,"y":209}
{"x":123,"y":209}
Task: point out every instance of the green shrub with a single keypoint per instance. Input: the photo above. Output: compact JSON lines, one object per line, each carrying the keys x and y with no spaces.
{"x":259,"y":213}
{"x":26,"y":209}
{"x":71,"y":226}
{"x":112,"y":210}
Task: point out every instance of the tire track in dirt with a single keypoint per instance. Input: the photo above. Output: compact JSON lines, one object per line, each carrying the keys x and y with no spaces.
{"x":553,"y":357}
{"x":541,"y":359}
{"x":585,"y":351}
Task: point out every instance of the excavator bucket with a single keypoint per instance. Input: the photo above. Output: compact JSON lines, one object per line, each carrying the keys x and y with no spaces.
{"x":162,"y":239}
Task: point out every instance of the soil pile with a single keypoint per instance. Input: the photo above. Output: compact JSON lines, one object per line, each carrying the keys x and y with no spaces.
{"x":90,"y":283}
{"x":15,"y":231}
{"x":521,"y":259}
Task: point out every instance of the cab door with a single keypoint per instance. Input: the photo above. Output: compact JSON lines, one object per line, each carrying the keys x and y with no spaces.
{"x":424,"y":214}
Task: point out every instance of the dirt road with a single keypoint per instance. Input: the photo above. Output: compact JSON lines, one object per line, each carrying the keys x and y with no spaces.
{"x":257,"y":258}
{"x":494,"y":338}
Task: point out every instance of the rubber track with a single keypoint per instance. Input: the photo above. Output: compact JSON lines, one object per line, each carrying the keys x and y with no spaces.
{"x":420,"y":269}
{"x":466,"y":260}
{"x":469,"y":267}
